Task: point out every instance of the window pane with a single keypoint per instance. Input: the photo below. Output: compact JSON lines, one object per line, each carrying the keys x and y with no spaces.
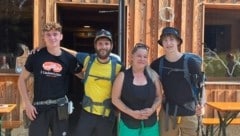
{"x":222,"y":44}
{"x":16,"y":27}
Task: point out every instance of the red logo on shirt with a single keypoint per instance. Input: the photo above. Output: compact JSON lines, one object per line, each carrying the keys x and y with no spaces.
{"x":52,"y":66}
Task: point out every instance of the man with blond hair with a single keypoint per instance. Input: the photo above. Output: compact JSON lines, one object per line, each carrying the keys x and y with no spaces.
{"x":51,"y":68}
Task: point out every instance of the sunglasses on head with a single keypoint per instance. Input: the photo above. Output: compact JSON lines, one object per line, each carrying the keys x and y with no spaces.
{"x":141,"y":45}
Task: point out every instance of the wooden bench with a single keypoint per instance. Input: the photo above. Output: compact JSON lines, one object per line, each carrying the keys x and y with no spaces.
{"x":9,"y":125}
{"x":211,"y":122}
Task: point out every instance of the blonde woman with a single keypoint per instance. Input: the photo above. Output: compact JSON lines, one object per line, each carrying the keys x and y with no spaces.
{"x":137,"y":94}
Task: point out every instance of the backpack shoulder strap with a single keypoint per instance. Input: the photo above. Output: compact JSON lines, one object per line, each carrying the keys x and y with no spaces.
{"x":114,"y":65}
{"x":89,"y":64}
{"x":161,"y":67}
{"x":186,"y":69}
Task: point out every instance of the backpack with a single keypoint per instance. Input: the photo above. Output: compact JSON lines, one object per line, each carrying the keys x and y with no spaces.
{"x":196,"y":85}
{"x":87,"y":101}
{"x":187,"y":74}
{"x":114,"y":62}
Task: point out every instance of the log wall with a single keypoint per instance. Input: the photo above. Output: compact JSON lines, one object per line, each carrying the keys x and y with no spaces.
{"x":144,"y":24}
{"x":221,"y":92}
{"x":144,"y":21}
{"x":9,"y":94}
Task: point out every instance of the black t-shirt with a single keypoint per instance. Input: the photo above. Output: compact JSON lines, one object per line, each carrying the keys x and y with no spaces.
{"x":177,"y":90}
{"x":51,"y":73}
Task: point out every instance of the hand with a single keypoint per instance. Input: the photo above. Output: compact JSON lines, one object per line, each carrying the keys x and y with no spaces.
{"x":33,"y":51}
{"x":137,"y":114}
{"x":31,"y":112}
{"x":147,"y":112}
{"x":200,"y":110}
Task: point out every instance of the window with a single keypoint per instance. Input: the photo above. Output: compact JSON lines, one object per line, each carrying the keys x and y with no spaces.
{"x":222,"y":44}
{"x":16,"y":27}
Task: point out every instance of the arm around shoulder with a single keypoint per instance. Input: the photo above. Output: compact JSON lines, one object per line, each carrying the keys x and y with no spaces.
{"x":72,"y":52}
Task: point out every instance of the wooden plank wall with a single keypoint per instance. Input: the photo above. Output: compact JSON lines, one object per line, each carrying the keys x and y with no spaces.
{"x":143,"y":21}
{"x":9,"y":94}
{"x":220,"y":91}
{"x":144,"y":24}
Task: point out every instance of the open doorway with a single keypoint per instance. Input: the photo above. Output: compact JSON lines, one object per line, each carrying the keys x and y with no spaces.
{"x":80,"y":23}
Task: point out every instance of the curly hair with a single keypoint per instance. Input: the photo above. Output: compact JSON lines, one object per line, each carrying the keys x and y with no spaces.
{"x":52,"y":26}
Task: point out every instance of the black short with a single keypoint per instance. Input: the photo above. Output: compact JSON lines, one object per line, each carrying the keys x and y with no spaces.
{"x":48,"y":120}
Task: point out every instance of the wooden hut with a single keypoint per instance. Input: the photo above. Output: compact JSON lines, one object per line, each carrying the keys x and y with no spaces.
{"x":197,"y":20}
{"x":144,"y":20}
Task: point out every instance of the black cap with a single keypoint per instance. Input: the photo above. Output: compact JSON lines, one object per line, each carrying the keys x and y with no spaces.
{"x":170,"y":31}
{"x":103,"y":34}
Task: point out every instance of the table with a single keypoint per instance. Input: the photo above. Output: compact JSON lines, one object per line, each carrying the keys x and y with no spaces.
{"x":5,"y":109}
{"x":226,"y":111}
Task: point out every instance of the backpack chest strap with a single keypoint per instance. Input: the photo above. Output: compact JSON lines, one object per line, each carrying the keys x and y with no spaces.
{"x":88,"y":102}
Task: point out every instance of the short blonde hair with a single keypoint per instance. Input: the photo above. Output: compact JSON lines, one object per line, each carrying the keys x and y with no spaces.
{"x":52,"y":26}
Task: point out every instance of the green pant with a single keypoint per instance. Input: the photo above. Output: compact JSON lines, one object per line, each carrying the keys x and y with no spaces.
{"x":123,"y":130}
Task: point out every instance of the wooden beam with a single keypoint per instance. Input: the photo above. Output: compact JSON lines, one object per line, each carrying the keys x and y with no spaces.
{"x":130,"y":30}
{"x":153,"y":32}
{"x":173,"y":6}
{"x":184,"y":24}
{"x":139,"y":19}
{"x":197,"y":27}
{"x":186,"y":27}
{"x":178,"y":13}
{"x":84,"y":4}
{"x":36,"y":23}
{"x":222,"y":6}
{"x":161,"y":23}
{"x":50,"y":4}
{"x":148,"y":35}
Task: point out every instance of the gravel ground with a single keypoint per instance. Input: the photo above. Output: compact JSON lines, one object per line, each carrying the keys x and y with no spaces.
{"x":233,"y":130}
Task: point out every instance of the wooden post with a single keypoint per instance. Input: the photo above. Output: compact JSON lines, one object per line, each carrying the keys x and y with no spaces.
{"x":197,"y":27}
{"x":139,"y":22}
{"x":50,"y":4}
{"x":130,"y":29}
{"x":36,"y":31}
{"x":186,"y":27}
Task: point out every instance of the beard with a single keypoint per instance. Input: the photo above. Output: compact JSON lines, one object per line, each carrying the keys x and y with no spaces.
{"x":103,"y":54}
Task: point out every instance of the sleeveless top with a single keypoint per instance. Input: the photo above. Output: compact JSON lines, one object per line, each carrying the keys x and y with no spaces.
{"x":138,"y":97}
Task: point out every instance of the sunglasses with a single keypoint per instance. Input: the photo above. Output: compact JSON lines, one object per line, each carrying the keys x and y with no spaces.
{"x":141,"y":45}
